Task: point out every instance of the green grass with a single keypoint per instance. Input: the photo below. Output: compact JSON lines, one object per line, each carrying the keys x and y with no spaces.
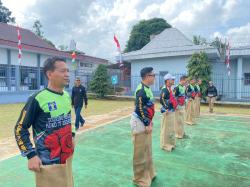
{"x":10,"y":113}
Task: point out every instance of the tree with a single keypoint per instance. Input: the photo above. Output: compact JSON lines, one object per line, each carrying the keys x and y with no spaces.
{"x":5,"y":14}
{"x":198,"y":40}
{"x":221,"y":47}
{"x":37,"y":26}
{"x":101,"y":83}
{"x":140,"y":34}
{"x":63,"y":47}
{"x":199,"y":67}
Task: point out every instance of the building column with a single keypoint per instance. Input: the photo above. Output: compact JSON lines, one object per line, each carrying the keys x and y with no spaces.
{"x":9,"y":69}
{"x":239,"y":78}
{"x":38,"y":71}
{"x":17,"y":77}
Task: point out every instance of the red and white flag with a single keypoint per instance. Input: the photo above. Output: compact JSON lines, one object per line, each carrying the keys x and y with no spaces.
{"x":227,"y":61}
{"x":73,"y":56}
{"x":19,"y":46}
{"x":119,"y":51}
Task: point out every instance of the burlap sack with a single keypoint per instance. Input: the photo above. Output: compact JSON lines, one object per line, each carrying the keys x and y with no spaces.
{"x":55,"y":175}
{"x":142,"y":159}
{"x":167,"y":136}
{"x":190,"y":112}
{"x":197,"y":106}
{"x":179,"y":122}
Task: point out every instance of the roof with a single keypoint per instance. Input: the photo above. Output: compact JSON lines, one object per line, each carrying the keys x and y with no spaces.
{"x":240,"y":51}
{"x":170,"y":42}
{"x":33,"y":43}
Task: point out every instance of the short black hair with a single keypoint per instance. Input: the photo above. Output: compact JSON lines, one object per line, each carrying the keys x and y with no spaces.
{"x":145,"y":71}
{"x":49,"y":64}
{"x":183,"y":77}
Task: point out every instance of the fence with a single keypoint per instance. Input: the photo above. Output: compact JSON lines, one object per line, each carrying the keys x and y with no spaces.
{"x":21,"y":78}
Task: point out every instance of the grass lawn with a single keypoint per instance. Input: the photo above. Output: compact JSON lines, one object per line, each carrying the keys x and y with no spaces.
{"x":10,"y":112}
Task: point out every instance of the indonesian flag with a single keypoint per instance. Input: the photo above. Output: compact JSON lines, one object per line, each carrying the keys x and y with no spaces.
{"x":19,"y":46}
{"x":119,"y":51}
{"x":227,"y":61}
{"x":73,"y":56}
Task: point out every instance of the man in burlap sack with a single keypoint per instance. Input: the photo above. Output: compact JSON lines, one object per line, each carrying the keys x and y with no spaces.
{"x":197,"y":102}
{"x":190,"y":94}
{"x":180,"y":96}
{"x":49,"y":113}
{"x":169,"y":104}
{"x":211,"y":94}
{"x":141,"y":127}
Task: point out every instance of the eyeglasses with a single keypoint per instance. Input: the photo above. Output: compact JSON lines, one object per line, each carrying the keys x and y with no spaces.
{"x":151,"y":75}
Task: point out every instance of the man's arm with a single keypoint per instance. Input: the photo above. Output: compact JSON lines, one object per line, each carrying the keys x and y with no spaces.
{"x":141,"y":96}
{"x":72,"y":96}
{"x":22,"y":135}
{"x":176,"y":91}
{"x":163,"y":99}
{"x":85,"y":96}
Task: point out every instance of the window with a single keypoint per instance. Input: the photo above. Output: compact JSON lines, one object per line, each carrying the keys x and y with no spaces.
{"x":88,"y":65}
{"x":247,"y":78}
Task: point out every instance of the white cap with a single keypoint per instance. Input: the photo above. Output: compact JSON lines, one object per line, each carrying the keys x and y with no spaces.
{"x":169,"y":77}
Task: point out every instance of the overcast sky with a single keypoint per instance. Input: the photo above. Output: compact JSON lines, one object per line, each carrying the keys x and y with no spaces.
{"x":92,"y":23}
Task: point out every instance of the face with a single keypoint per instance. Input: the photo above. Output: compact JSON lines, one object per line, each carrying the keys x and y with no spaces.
{"x":78,"y":82}
{"x":60,"y":76}
{"x":192,"y":81}
{"x":150,"y":78}
{"x":183,"y":81}
{"x":172,"y":82}
{"x":210,"y":84}
{"x":199,"y":82}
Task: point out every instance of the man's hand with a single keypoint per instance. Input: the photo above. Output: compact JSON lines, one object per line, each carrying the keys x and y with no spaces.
{"x":34,"y":164}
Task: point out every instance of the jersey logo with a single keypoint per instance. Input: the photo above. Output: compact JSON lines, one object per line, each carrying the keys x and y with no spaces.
{"x":52,"y":106}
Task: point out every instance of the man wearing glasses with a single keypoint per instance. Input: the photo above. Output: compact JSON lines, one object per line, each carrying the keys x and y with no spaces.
{"x":141,"y":127}
{"x":77,"y":97}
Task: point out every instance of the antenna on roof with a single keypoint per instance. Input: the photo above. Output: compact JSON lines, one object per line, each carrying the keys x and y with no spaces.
{"x":72,"y":45}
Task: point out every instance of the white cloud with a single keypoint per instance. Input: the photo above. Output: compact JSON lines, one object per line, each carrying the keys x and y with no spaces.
{"x":239,"y":35}
{"x":19,"y":9}
{"x":92,"y":23}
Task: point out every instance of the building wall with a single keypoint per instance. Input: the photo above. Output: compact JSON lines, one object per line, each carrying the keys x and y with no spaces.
{"x":28,"y":59}
{"x":3,"y":56}
{"x":173,"y":65}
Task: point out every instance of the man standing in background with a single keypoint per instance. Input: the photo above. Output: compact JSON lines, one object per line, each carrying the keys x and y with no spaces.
{"x":77,"y":97}
{"x":169,"y":104}
{"x":211,"y":96}
{"x":179,"y":92}
{"x":190,"y":93}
